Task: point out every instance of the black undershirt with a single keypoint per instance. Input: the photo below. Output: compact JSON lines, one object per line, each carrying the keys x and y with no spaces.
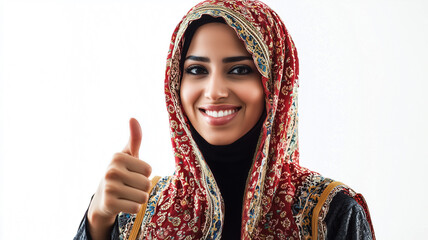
{"x":230,"y":165}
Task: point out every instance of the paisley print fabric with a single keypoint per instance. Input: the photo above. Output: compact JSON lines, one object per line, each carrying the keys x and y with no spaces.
{"x":280,"y":194}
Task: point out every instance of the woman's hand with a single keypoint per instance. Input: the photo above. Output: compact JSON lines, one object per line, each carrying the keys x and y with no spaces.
{"x":123,"y":188}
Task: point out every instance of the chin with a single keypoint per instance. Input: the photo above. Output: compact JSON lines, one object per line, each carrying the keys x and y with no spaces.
{"x":220,"y":139}
{"x":220,"y":142}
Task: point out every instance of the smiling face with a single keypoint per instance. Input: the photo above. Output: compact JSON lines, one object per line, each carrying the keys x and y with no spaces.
{"x":221,"y":90}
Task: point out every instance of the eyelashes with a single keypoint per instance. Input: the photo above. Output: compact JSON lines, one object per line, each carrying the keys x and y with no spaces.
{"x":241,"y":70}
{"x":196,"y":70}
{"x":235,"y":70}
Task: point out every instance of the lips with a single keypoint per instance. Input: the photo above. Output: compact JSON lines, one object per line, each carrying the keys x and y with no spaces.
{"x":218,"y":115}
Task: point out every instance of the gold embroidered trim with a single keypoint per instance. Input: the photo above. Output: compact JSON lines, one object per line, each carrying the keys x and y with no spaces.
{"x":319,"y":205}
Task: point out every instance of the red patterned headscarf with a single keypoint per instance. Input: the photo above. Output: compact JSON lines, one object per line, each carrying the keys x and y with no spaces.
{"x":279,"y":193}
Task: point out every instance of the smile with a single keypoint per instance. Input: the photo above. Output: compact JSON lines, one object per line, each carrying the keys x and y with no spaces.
{"x":219,"y":115}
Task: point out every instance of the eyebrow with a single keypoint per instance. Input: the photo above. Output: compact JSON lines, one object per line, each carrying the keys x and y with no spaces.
{"x":196,"y":58}
{"x":225,"y":60}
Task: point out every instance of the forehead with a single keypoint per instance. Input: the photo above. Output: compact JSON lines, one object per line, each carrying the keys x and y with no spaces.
{"x":248,"y":31}
{"x":216,"y":39}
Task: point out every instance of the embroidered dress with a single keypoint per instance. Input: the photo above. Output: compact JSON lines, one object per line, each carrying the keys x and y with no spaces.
{"x":280,"y":195}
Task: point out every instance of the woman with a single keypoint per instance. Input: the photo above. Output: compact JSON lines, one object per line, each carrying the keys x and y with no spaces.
{"x":231,"y":93}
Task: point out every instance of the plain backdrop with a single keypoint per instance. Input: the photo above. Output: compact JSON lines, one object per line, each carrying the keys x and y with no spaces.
{"x":74,"y":72}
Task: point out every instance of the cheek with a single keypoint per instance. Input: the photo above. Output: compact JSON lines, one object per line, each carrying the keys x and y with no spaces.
{"x":253,"y":96}
{"x":188,"y":96}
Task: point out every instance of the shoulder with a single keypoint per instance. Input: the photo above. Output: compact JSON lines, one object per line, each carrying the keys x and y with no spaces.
{"x":318,"y":197}
{"x":346,"y":218}
{"x":342,"y":203}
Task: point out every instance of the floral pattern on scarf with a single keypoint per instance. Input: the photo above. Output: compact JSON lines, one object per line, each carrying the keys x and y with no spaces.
{"x":280,"y":194}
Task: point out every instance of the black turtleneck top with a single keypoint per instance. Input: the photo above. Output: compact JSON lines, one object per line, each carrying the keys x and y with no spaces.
{"x":230,"y":165}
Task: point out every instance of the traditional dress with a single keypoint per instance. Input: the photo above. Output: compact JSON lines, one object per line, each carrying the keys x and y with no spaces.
{"x":281,"y":199}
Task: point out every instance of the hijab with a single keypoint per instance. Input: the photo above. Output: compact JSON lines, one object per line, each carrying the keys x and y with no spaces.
{"x":280,"y":195}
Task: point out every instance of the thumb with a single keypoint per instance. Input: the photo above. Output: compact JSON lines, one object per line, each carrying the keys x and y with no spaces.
{"x":133,"y":146}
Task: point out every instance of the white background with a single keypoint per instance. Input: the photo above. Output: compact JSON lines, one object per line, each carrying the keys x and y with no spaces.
{"x":74,"y":72}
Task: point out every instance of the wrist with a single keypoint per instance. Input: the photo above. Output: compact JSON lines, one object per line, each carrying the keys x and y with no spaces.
{"x":98,"y":220}
{"x":100,"y":226}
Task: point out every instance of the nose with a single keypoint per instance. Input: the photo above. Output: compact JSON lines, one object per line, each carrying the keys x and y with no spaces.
{"x":216,"y":87}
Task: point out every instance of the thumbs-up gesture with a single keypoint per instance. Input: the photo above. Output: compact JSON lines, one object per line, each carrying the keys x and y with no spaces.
{"x":123,"y":188}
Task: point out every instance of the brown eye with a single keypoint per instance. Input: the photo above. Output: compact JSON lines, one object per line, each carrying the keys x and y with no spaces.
{"x":196,"y":70}
{"x":241,"y":70}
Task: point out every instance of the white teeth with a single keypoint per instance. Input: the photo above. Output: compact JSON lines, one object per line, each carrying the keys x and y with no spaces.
{"x":220,"y":113}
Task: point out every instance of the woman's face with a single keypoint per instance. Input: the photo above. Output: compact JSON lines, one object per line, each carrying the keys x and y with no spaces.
{"x":221,"y":90}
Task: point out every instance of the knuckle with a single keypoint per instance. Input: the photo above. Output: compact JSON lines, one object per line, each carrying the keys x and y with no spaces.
{"x":117,"y":158}
{"x":110,"y":190}
{"x":113,"y":174}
